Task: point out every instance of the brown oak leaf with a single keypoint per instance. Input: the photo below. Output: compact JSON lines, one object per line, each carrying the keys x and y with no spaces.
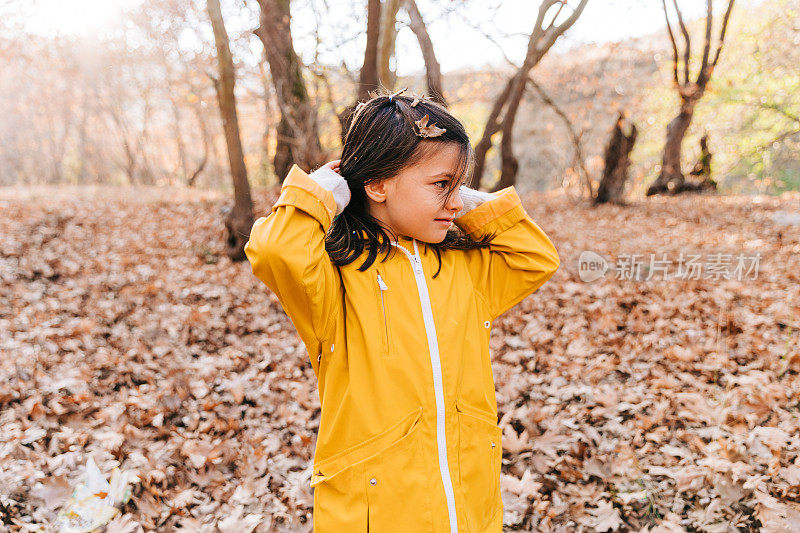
{"x":428,"y":130}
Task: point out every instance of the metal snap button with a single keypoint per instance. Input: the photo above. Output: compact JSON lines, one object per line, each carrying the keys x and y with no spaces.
{"x":493,"y":445}
{"x":331,"y":347}
{"x":373,"y":481}
{"x":487,"y":324}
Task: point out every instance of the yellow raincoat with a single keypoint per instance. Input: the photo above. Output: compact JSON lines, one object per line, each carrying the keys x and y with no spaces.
{"x":408,"y":438}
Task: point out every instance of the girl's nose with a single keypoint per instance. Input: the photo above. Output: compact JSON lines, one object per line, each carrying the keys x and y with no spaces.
{"x":454,"y":201}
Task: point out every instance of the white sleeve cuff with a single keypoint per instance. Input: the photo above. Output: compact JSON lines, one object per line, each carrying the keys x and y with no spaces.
{"x":332,"y":181}
{"x":472,"y":198}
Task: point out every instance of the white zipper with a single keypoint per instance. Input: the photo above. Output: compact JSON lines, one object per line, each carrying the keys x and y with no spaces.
{"x":438,"y":389}
{"x":382,"y":285}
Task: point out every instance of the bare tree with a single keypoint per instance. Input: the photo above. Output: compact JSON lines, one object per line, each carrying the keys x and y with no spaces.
{"x":541,"y":40}
{"x":239,"y":220}
{"x":671,"y":179}
{"x":298,"y":137}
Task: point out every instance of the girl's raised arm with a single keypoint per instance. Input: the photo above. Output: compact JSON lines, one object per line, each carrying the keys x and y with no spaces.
{"x":286,"y":251}
{"x":519,"y":260}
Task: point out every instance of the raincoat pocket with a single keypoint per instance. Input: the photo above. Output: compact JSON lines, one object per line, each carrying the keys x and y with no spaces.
{"x":480,"y":453}
{"x":398,"y":495}
{"x":376,"y":485}
{"x":382,"y":293}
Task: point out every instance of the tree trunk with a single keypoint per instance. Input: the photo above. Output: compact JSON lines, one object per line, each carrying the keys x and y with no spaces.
{"x":298,"y":114}
{"x":671,"y":178}
{"x":493,"y":125}
{"x":368,"y":76}
{"x":83,"y":142}
{"x":703,"y":166}
{"x":702,"y":169}
{"x":433,"y":72}
{"x":509,"y":165}
{"x":268,"y":125}
{"x":238,"y":220}
{"x":146,"y":173}
{"x":206,"y":137}
{"x":206,"y":141}
{"x":283,"y":148}
{"x":386,"y":43}
{"x":617,"y":162}
{"x":183,"y":169}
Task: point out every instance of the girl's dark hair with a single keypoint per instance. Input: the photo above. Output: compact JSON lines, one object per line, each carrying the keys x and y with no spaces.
{"x":380,"y":142}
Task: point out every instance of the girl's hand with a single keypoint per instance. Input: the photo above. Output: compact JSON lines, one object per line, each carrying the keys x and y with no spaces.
{"x":328,"y":177}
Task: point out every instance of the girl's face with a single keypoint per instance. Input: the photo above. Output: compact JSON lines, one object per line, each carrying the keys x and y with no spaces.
{"x":411,"y":202}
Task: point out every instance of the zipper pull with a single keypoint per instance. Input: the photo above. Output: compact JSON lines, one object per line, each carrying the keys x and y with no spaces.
{"x":417,"y":264}
{"x":381,"y":284}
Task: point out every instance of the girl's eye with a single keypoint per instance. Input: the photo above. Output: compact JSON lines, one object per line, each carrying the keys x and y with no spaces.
{"x":444,"y":182}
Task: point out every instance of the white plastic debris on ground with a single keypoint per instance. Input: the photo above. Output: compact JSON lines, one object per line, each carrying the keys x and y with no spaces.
{"x":96,"y":501}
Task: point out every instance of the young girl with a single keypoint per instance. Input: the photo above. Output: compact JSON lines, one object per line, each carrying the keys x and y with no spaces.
{"x":408,"y":438}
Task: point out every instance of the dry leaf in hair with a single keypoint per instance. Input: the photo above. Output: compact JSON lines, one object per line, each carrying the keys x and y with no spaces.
{"x":418,"y":99}
{"x":428,"y":130}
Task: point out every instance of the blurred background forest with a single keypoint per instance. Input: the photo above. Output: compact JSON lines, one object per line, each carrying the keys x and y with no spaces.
{"x":126,"y":96}
{"x":139,"y":139}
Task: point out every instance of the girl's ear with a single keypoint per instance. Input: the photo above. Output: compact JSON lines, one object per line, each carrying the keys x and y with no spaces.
{"x":376,"y":190}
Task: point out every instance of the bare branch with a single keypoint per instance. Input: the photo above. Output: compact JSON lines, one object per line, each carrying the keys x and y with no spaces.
{"x":537,"y":26}
{"x":576,"y":137}
{"x":491,"y":39}
{"x":555,"y":32}
{"x":674,"y":45}
{"x":687,"y":51}
{"x":555,"y":17}
{"x":722,"y":33}
{"x":702,"y":76}
{"x":770,"y":106}
{"x":780,"y":138}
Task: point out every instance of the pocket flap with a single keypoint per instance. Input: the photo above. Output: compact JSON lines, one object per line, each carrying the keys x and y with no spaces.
{"x":462,"y":407}
{"x":475,"y":412}
{"x":330,"y":466}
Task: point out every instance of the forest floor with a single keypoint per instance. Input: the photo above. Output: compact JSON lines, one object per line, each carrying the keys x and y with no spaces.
{"x":640,"y":401}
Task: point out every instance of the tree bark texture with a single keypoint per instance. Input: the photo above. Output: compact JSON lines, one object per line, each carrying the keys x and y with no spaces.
{"x":298,"y":129}
{"x":433,"y":71}
{"x":238,"y":220}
